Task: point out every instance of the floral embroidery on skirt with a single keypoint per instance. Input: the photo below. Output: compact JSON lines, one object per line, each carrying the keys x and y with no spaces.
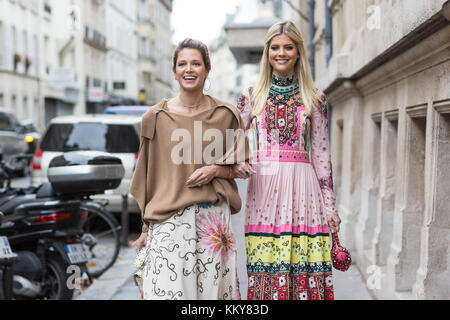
{"x":191,"y":256}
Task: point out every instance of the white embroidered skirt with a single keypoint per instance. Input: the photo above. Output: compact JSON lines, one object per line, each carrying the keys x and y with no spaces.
{"x":191,"y":256}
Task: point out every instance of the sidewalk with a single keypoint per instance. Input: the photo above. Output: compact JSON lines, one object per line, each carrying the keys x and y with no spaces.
{"x":116,"y":280}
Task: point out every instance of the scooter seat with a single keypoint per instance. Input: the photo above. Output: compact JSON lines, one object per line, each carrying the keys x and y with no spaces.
{"x":45,"y":191}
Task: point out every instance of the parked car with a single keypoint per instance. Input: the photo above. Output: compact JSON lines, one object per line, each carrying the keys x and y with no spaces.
{"x":12,"y":141}
{"x":117,"y":135}
{"x":134,"y":110}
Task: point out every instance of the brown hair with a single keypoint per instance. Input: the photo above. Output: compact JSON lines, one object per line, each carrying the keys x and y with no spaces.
{"x":193,"y":44}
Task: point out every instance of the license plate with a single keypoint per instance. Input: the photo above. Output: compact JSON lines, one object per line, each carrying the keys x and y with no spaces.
{"x":5,"y":248}
{"x":77,"y":253}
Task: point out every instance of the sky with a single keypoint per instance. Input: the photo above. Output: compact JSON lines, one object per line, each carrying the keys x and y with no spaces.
{"x":200,"y":19}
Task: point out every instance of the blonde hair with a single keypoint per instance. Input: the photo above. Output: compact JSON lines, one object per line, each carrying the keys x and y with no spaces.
{"x":302,"y":70}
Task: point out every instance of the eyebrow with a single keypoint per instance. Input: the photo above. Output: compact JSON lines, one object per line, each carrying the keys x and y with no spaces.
{"x":284,"y":45}
{"x":190,"y":60}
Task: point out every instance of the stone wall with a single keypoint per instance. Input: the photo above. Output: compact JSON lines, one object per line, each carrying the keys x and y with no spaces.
{"x":389,"y":91}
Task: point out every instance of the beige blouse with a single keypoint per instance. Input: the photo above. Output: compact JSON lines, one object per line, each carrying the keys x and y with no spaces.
{"x":173,"y":146}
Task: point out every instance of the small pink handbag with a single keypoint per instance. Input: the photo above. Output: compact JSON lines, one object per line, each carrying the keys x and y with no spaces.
{"x":339,"y":255}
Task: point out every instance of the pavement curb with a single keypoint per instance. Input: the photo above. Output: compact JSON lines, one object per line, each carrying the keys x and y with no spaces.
{"x":104,"y":287}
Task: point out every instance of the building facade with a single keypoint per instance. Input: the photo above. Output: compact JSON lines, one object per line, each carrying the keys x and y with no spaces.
{"x":386,"y":72}
{"x":146,"y":54}
{"x":92,"y":54}
{"x":122,"y":54}
{"x":155,"y":77}
{"x":163,"y":49}
{"x":53,"y":57}
{"x":20,"y":58}
{"x":61,"y":57}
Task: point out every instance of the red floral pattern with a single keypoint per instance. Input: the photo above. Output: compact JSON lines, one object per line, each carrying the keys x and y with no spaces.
{"x":263,"y":286}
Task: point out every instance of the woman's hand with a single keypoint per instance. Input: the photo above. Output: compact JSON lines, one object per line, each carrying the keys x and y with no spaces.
{"x":141,"y":242}
{"x":243,"y":170}
{"x":202,"y":176}
{"x":333,"y":222}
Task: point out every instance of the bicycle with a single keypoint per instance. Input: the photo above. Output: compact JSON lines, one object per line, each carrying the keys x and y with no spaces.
{"x":101,"y":237}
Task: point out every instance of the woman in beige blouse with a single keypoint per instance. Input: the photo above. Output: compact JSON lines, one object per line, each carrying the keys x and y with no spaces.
{"x":184,"y":186}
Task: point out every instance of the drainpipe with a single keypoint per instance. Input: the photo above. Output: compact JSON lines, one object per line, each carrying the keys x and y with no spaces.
{"x":328,"y":32}
{"x":312,"y":32}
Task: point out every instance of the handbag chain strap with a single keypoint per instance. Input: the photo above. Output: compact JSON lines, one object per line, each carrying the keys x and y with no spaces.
{"x":335,"y":237}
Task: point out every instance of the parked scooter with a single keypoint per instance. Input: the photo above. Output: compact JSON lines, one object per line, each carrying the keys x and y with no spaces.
{"x":7,"y":260}
{"x":44,"y":224}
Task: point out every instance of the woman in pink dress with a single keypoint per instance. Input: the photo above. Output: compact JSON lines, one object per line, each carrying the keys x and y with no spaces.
{"x":290,"y":202}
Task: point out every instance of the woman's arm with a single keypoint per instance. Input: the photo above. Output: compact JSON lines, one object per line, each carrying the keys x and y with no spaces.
{"x":245,"y":108}
{"x":321,"y":161}
{"x":205,"y":174}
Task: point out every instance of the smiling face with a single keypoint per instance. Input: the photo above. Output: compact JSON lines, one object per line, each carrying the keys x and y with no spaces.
{"x":190,"y":70}
{"x":283,"y":55}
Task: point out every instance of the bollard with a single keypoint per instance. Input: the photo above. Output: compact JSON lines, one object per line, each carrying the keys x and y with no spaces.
{"x":125,"y":219}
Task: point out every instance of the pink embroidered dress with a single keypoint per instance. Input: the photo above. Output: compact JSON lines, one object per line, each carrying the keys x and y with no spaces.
{"x":289,"y":198}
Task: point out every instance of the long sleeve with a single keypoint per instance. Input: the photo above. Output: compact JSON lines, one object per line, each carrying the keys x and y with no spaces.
{"x":245,"y":108}
{"x":320,"y":154}
{"x":138,"y":187}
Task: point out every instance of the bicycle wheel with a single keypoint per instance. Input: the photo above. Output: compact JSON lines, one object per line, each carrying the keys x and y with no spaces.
{"x":101,"y":237}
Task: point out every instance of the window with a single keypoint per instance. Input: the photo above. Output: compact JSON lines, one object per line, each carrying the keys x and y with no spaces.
{"x":33,"y":5}
{"x":14,"y":39}
{"x":47,"y":54}
{"x":13,"y":102}
{"x":36,"y":55}
{"x":2,"y":46}
{"x":328,"y":33}
{"x":388,"y":178}
{"x":143,"y":11}
{"x":144,"y":49}
{"x":78,"y":136}
{"x":97,"y":83}
{"x":25,"y":109}
{"x":47,"y":8}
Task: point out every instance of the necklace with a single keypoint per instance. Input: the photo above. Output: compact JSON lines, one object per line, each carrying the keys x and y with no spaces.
{"x":191,"y":107}
{"x":283,"y":86}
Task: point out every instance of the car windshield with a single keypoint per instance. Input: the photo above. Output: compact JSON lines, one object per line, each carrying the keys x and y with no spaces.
{"x":7,"y":122}
{"x":91,"y":136}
